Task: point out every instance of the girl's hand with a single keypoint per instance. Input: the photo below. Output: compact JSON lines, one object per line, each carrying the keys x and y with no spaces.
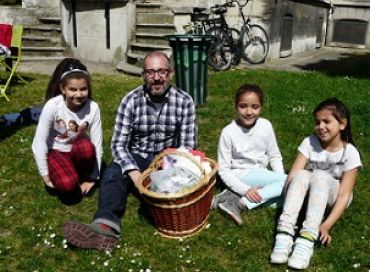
{"x":47,"y":181}
{"x":325,"y":237}
{"x":253,"y":195}
{"x":86,"y":187}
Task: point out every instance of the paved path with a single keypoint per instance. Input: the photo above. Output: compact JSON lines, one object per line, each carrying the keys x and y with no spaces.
{"x":293,"y":63}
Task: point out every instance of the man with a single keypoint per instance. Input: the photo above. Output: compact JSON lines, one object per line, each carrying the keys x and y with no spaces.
{"x":150,"y":118}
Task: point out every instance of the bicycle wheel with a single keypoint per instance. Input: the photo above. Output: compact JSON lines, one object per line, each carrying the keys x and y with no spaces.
{"x":236,"y":48}
{"x":219,"y":53}
{"x":255,"y":44}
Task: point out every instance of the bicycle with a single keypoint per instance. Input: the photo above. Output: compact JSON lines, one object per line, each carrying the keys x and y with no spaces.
{"x":255,"y":41}
{"x":228,"y":48}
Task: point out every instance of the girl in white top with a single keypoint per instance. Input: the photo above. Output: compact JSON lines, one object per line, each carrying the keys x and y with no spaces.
{"x":325,"y":169}
{"x":246,"y":148}
{"x":68,"y":159}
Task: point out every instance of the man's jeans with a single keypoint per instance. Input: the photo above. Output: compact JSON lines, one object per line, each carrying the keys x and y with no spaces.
{"x":113,"y":193}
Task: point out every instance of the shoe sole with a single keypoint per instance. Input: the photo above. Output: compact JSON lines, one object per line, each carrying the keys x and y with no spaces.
{"x":235,"y":218}
{"x":82,"y":236}
{"x":279,"y":260}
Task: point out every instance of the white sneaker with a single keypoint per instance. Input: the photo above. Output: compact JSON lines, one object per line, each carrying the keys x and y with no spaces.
{"x":302,"y":253}
{"x":282,"y":248}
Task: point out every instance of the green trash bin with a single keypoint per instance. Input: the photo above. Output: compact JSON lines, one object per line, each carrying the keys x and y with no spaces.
{"x":190,"y":56}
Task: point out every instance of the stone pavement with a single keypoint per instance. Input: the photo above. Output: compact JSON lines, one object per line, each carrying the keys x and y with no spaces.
{"x":297,"y":62}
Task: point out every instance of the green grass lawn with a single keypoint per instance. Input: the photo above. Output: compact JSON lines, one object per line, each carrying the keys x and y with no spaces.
{"x":31,"y":220}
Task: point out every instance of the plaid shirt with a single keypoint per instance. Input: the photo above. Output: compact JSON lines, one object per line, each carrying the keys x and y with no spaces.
{"x":142,"y":130}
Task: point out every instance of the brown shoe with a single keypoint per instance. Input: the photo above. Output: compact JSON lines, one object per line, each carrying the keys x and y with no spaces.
{"x":89,"y":236}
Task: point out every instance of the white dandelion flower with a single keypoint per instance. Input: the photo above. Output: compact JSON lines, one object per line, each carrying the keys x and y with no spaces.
{"x":356,"y":265}
{"x":52,"y":235}
{"x":106,"y":263}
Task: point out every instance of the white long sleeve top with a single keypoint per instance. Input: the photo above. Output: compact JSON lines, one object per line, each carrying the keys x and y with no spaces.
{"x":55,"y":131}
{"x":241,"y":149}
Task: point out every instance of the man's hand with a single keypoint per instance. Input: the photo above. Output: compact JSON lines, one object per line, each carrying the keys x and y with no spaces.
{"x":253,"y":195}
{"x":47,"y":181}
{"x":134,"y":175}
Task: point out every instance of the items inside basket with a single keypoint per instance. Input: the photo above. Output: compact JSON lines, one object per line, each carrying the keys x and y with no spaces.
{"x":180,"y":169}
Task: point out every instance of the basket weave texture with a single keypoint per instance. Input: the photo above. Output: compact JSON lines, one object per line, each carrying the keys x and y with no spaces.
{"x":183,"y":213}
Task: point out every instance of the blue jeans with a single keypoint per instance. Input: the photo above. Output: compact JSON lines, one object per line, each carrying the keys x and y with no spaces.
{"x":113,"y":193}
{"x":271,"y":184}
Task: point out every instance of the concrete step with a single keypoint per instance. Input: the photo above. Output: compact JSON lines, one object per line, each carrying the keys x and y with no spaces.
{"x":42,"y":41}
{"x":151,"y":38}
{"x":42,"y":58}
{"x":154,"y":18}
{"x":127,"y":68}
{"x":156,"y":28}
{"x":136,"y":59}
{"x":143,"y":48}
{"x":50,"y":20}
{"x":150,"y":7}
{"x":42,"y":30}
{"x":43,"y":51}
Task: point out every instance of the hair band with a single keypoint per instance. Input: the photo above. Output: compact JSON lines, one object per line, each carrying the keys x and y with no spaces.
{"x":73,"y":71}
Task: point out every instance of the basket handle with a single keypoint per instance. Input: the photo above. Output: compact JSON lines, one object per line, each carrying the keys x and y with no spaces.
{"x":156,"y":163}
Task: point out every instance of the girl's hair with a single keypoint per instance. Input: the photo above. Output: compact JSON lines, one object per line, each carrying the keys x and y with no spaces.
{"x":68,"y":68}
{"x":339,"y":111}
{"x":249,"y":88}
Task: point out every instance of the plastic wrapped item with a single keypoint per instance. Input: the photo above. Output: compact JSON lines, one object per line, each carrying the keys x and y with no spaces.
{"x":172,"y":179}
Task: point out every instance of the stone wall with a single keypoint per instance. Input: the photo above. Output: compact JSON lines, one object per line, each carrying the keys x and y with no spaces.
{"x":354,"y":16}
{"x":17,"y":15}
{"x":301,"y":23}
{"x":90,"y":29}
{"x":48,"y":8}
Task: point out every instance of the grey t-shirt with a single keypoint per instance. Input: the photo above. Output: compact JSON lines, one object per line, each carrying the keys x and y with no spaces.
{"x":335,"y":163}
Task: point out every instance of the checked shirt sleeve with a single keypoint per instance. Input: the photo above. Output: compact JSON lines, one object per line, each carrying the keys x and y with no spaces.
{"x":122,"y":136}
{"x":188,"y":129}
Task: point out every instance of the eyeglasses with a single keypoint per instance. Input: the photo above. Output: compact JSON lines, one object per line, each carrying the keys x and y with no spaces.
{"x":161,"y":72}
{"x":74,"y":68}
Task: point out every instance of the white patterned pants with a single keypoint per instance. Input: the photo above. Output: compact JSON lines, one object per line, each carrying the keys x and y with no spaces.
{"x":322,"y":190}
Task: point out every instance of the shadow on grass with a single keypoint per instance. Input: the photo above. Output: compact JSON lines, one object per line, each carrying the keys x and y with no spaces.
{"x":353,"y":65}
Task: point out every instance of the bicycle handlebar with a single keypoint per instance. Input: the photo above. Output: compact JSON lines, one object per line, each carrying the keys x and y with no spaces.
{"x":238,"y":2}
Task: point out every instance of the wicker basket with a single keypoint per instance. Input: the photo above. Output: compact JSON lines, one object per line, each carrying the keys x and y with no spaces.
{"x":183,"y":213}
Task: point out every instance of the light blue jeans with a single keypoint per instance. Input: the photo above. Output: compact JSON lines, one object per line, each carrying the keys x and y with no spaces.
{"x":271,"y":184}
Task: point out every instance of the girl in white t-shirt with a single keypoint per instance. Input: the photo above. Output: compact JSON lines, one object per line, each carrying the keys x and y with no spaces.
{"x":68,"y":141}
{"x":325,"y":169}
{"x":246,"y":148}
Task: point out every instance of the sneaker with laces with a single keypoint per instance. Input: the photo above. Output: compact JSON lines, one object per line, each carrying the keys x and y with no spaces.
{"x":225,"y":195}
{"x":302,"y":253}
{"x":282,"y":248}
{"x":233,"y":209}
{"x":96,"y":236}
